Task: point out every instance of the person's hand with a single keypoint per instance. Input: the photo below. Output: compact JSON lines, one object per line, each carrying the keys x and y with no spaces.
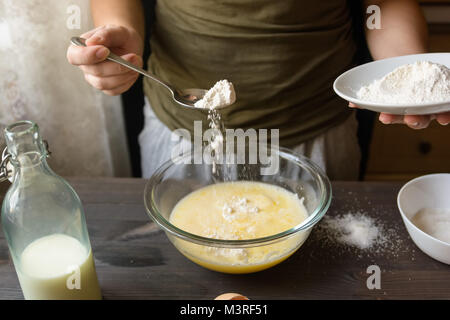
{"x":412,"y":121}
{"x":108,"y":76}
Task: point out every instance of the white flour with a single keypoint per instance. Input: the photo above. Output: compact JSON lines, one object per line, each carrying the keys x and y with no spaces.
{"x":220,"y":95}
{"x":357,"y":230}
{"x":238,"y":208}
{"x":435,"y":222}
{"x":420,"y":82}
{"x":226,"y":233}
{"x":391,"y":242}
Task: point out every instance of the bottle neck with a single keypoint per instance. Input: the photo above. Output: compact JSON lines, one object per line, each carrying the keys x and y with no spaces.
{"x":25,"y":145}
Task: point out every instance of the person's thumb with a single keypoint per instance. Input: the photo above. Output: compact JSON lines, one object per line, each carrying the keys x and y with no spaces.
{"x":111,"y":36}
{"x":86,"y":55}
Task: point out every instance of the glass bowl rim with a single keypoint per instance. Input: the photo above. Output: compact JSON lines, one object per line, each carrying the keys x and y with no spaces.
{"x":313,"y":169}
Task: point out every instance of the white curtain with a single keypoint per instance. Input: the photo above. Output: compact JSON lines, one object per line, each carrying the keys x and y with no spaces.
{"x":84,"y":127}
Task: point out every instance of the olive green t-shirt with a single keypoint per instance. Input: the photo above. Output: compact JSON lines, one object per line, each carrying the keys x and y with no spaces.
{"x":281,"y":56}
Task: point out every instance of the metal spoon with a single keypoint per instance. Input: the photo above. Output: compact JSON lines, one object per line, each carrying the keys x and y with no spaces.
{"x":185,"y":97}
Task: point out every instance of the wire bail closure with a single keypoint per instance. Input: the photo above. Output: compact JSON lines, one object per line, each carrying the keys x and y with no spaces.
{"x":5,"y":172}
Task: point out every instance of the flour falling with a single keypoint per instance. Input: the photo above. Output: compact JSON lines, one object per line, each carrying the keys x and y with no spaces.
{"x":220,"y":95}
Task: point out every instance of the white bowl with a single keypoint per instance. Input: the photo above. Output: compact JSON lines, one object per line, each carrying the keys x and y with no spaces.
{"x":348,"y":84}
{"x":430,"y":191}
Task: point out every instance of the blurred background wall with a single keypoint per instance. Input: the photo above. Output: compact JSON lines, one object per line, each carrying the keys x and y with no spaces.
{"x":84,"y":128}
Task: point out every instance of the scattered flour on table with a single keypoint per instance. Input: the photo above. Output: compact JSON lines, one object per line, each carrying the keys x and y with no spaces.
{"x":361,"y":235}
{"x":358,"y":230}
{"x":419,"y":82}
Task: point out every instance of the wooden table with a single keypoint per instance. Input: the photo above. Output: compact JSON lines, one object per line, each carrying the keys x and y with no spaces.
{"x":135,"y":260}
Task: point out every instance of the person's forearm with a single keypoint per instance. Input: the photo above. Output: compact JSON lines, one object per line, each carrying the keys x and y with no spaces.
{"x":403,"y":29}
{"x":127,"y":13}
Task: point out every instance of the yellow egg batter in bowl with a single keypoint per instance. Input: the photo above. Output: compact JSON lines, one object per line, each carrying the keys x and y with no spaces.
{"x":236,"y":218}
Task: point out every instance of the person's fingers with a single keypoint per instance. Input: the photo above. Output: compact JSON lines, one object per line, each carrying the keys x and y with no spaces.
{"x":387,"y":118}
{"x":110,"y":83}
{"x":105,"y":69}
{"x":417,"y":121}
{"x":352,"y":105}
{"x":109,"y":68}
{"x":86,"y":55}
{"x":109,"y":36}
{"x":119,"y":90}
{"x":88,"y":34}
{"x":443,"y":118}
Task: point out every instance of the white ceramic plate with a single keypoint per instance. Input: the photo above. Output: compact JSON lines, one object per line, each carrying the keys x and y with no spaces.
{"x":349,"y":83}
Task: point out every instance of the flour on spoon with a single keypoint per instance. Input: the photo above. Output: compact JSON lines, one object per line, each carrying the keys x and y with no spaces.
{"x":221,"y":95}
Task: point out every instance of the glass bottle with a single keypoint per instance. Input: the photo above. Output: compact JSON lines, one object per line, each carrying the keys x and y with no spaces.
{"x":44,"y":224}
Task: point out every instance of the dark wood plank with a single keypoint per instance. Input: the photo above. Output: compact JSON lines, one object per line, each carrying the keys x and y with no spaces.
{"x":135,"y":260}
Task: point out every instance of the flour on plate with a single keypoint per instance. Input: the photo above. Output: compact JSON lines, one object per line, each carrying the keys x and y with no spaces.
{"x":416,"y":83}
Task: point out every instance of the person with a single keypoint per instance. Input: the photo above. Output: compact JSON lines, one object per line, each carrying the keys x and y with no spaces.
{"x":282,"y":58}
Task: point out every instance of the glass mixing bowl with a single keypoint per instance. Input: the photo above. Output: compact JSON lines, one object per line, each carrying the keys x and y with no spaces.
{"x":180,"y":176}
